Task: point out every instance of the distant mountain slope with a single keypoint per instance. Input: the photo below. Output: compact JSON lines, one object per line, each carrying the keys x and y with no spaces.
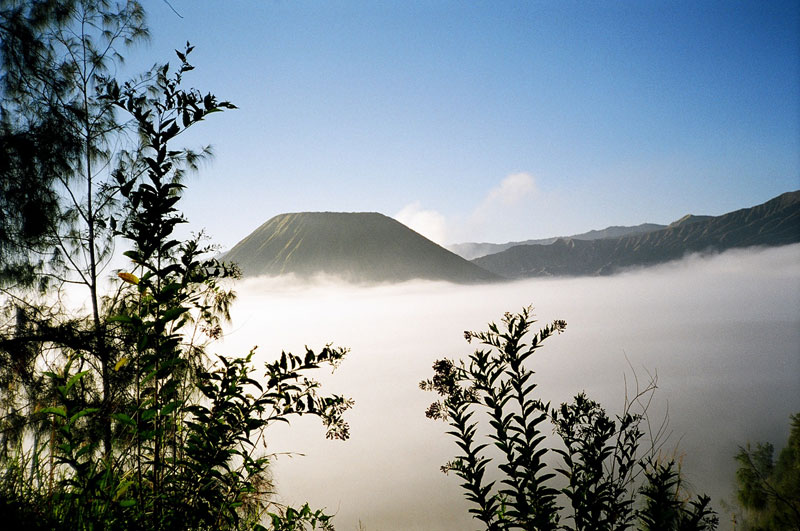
{"x":688,"y":219}
{"x":776,"y":222}
{"x":472,"y":250}
{"x":359,"y":247}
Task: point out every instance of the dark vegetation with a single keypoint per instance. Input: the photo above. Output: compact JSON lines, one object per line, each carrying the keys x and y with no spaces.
{"x":114,"y":415}
{"x":604,"y":479}
{"x":769,"y":489}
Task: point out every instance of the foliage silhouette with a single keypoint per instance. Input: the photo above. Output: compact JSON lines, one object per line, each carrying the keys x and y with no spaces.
{"x":58,"y":138}
{"x":119,"y":419}
{"x":600,"y":458}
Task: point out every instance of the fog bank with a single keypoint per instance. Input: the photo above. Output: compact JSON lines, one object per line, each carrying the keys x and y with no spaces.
{"x":722,"y":333}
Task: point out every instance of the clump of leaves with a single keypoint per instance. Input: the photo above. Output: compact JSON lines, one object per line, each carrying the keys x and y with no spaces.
{"x":600,"y":458}
{"x":497,"y":381}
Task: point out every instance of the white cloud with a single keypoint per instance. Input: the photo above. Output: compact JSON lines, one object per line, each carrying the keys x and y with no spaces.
{"x":513,"y":189}
{"x":429,"y":223}
{"x":502,"y":208}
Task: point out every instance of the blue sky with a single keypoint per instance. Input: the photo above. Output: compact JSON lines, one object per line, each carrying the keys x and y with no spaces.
{"x":488,"y":121}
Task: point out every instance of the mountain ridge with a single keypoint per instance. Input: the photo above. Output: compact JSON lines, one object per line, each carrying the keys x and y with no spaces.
{"x":369,"y":247}
{"x":355,"y":246}
{"x":775,"y":222}
{"x":472,"y":250}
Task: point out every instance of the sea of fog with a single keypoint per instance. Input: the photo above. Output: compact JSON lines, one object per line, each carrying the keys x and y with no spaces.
{"x":722,"y":334}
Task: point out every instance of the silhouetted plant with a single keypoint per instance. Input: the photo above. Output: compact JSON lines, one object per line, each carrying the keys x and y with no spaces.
{"x":497,"y":381}
{"x":666,"y":505}
{"x":600,"y":458}
{"x":58,"y":141}
{"x":133,"y":426}
{"x":196,"y":462}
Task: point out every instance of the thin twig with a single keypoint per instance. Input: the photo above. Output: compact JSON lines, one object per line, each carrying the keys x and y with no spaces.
{"x":173,"y":9}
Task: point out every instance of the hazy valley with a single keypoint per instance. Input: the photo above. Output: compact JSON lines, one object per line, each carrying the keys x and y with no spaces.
{"x":709,"y":305}
{"x":721,"y":332}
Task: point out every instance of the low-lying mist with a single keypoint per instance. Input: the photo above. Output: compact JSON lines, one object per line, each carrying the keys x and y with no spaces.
{"x":722,"y":333}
